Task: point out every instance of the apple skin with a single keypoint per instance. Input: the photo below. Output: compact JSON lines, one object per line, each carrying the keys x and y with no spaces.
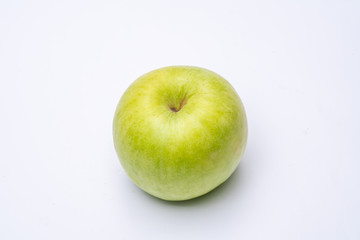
{"x":179,"y":132}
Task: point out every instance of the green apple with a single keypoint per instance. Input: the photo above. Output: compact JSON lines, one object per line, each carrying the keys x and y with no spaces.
{"x":180,"y":132}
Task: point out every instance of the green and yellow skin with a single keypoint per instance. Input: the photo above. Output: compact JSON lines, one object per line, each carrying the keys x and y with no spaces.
{"x":180,"y":132}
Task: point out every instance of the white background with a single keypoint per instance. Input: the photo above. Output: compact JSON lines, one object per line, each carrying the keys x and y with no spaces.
{"x":65,"y":64}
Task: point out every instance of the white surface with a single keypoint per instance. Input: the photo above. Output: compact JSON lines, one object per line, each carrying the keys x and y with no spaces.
{"x":65,"y":64}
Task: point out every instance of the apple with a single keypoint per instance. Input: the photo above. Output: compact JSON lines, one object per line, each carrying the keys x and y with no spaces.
{"x":179,"y":131}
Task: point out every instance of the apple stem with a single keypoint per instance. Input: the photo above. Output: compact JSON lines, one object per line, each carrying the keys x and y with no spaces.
{"x":182,"y":104}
